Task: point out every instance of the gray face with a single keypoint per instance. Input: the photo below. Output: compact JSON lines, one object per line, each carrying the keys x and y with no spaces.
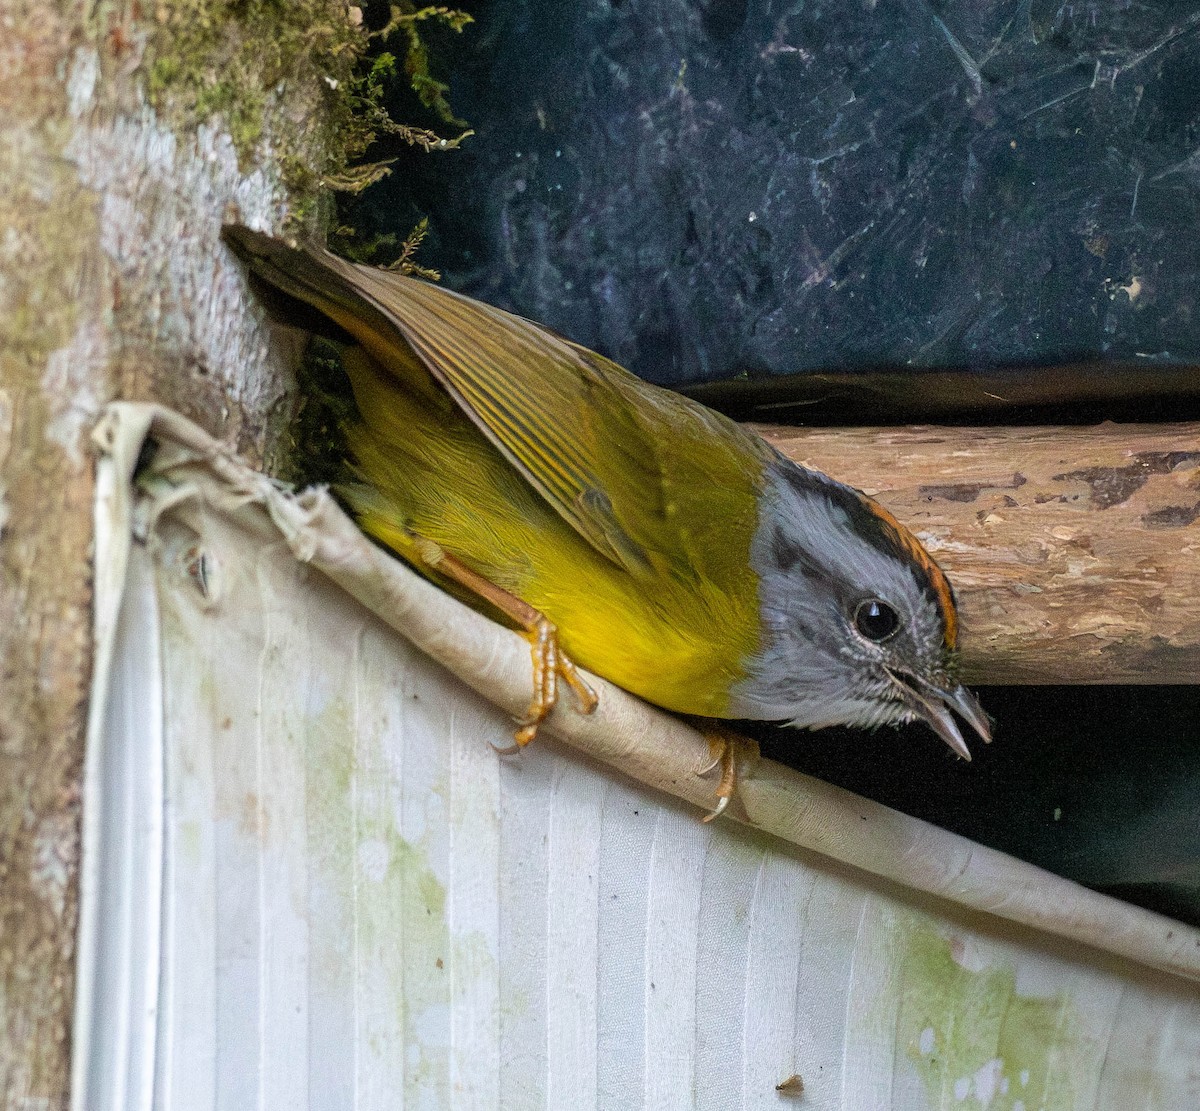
{"x":823,"y":556}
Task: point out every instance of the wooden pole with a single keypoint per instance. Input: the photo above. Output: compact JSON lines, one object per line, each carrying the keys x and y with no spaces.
{"x":1074,"y":552}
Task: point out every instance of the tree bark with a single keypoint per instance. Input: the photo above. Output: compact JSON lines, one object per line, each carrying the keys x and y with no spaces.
{"x":113,"y":283}
{"x":1074,"y":552}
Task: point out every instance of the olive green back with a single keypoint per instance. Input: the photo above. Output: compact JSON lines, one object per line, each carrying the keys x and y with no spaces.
{"x":653,"y":481}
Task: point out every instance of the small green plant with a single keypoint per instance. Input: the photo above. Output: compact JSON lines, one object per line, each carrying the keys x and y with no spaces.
{"x":406,"y":19}
{"x":306,"y":72}
{"x":370,"y":116}
{"x":406,"y":263}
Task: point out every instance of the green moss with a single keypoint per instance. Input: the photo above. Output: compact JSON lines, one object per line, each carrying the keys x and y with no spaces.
{"x":300,"y":88}
{"x":318,"y":450}
{"x":308,"y":74}
{"x":974,"y":1040}
{"x":263,"y":66}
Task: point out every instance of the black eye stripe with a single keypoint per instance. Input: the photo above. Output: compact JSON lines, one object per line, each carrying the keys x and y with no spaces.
{"x":784,"y":551}
{"x":875,"y":619}
{"x":867,"y":526}
{"x":793,"y":558}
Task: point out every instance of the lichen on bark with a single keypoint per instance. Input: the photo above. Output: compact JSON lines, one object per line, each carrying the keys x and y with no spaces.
{"x":278,"y":68}
{"x":51,"y":364}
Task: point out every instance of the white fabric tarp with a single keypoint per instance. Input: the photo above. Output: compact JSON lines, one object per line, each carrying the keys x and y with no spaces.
{"x":310,"y":881}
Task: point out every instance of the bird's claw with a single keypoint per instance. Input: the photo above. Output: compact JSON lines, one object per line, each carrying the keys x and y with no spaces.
{"x":724,"y":748}
{"x":550,"y":663}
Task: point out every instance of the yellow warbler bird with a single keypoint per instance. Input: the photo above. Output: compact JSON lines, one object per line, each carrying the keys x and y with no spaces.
{"x":620,"y":525}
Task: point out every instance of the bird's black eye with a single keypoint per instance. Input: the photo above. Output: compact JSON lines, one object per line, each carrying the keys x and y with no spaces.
{"x":876,"y":620}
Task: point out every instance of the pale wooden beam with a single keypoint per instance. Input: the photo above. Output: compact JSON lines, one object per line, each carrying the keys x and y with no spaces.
{"x":1075,"y":552}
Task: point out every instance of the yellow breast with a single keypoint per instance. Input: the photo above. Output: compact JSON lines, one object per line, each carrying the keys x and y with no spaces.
{"x":679,"y":642}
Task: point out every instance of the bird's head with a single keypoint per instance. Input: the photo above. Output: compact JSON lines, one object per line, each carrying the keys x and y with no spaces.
{"x":860,"y":626}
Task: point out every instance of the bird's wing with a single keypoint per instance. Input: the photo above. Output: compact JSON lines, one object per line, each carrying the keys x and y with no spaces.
{"x":651,"y":480}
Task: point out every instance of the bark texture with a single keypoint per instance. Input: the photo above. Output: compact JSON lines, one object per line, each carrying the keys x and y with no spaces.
{"x":112,"y":283}
{"x":1074,"y":552}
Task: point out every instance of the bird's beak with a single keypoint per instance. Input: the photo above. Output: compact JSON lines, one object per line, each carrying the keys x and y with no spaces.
{"x":932,"y":704}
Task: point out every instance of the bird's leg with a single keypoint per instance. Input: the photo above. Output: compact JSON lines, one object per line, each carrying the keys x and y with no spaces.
{"x":728,"y":750}
{"x":550,"y":663}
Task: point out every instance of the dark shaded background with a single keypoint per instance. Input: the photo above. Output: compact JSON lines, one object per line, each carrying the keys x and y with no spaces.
{"x":702,"y":190}
{"x":1099,"y":784}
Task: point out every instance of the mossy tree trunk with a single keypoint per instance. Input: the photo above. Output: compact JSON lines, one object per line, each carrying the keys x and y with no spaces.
{"x":124,"y":140}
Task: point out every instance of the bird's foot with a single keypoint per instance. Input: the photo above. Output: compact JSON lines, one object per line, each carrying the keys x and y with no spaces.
{"x":728,"y":751}
{"x":550,"y":663}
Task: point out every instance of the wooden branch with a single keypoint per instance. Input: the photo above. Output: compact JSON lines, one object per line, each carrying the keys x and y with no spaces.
{"x":1075,"y":552}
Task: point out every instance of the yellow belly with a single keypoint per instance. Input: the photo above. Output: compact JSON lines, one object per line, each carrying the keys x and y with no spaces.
{"x":430,"y":471}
